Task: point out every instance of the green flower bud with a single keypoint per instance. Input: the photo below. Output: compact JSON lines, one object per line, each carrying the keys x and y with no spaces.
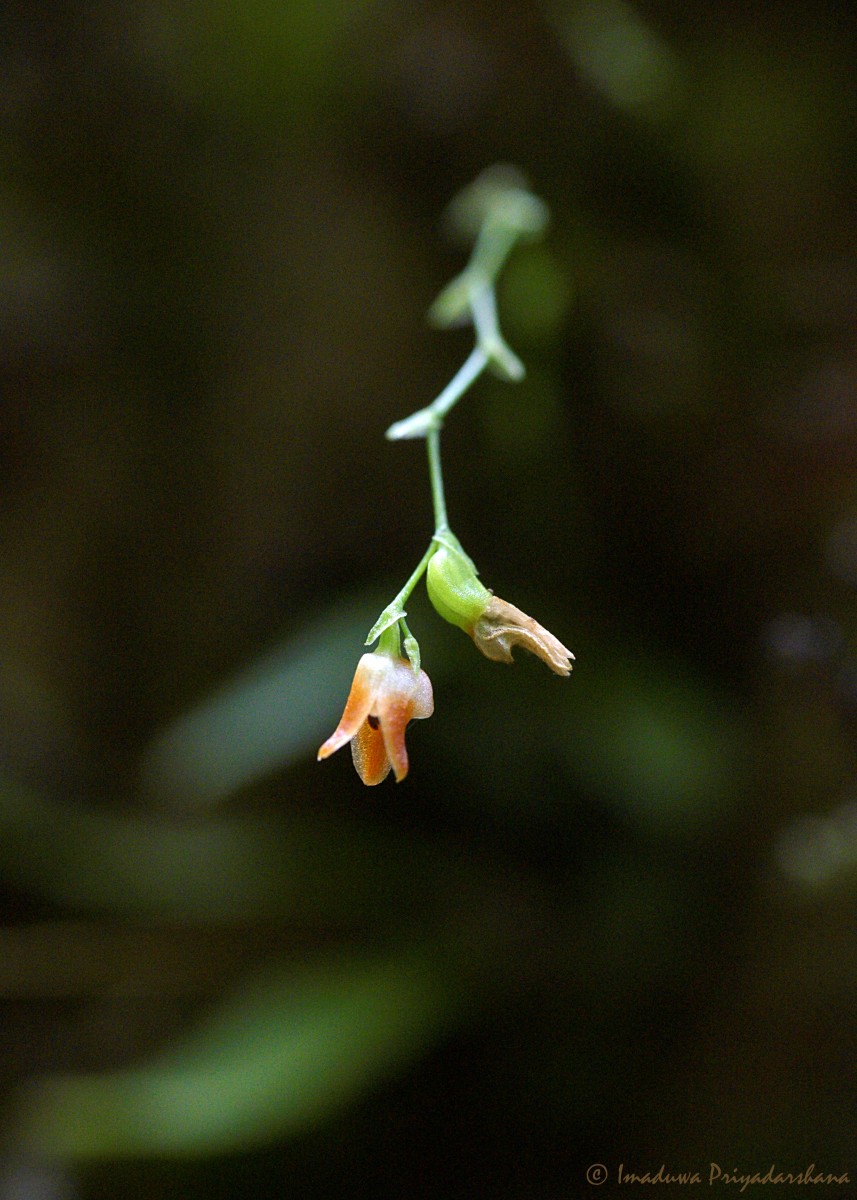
{"x":499,"y":195}
{"x":454,"y":588}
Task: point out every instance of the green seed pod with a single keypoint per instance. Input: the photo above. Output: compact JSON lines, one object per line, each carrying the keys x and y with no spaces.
{"x":454,"y":588}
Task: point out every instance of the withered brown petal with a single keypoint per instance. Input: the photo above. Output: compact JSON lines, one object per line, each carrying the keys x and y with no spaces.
{"x":502,"y":626}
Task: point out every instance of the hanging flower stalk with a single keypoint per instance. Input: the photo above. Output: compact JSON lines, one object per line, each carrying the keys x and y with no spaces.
{"x":390,"y":688}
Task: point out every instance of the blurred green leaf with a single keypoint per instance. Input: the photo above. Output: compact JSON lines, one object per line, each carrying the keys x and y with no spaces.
{"x":279,"y":1057}
{"x":234,"y":868}
{"x":644,"y":734}
{"x":621,"y":55}
{"x":655,"y":740}
{"x":277,"y":710}
{"x":251,"y":54}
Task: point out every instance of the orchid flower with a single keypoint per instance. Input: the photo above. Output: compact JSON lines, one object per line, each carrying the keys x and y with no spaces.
{"x":385,"y":695}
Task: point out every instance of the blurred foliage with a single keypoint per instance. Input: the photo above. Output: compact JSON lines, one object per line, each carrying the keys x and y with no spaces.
{"x":603,"y":920}
{"x":277,"y":1059}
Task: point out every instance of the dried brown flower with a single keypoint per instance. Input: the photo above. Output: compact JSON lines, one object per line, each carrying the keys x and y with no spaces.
{"x":502,"y":626}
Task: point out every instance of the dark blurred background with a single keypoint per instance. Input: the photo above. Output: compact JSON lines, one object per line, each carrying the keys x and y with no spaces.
{"x":604,"y":920}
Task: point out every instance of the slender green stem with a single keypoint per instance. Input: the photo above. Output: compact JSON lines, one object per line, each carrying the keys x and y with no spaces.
{"x":464,"y":378}
{"x":420,"y":423}
{"x":395,"y":610}
{"x":494,"y":243}
{"x":436,"y":475}
{"x":415,"y":577}
{"x":483,"y":305}
{"x":471,"y":293}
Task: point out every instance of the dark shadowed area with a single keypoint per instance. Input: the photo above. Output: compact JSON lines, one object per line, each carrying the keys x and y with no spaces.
{"x":604,"y":920}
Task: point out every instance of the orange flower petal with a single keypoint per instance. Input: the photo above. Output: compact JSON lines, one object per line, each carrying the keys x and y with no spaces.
{"x":393,"y":725}
{"x":357,"y":707}
{"x":411,"y":697}
{"x":369,"y":752}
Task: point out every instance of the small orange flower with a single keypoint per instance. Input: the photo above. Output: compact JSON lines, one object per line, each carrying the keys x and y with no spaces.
{"x":385,"y":695}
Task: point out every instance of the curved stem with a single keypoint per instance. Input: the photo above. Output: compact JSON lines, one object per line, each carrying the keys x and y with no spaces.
{"x":483,"y":305}
{"x":494,"y":243}
{"x":422,"y":422}
{"x":464,"y":377}
{"x":472,"y":293}
{"x":415,"y":577}
{"x":395,"y":610}
{"x":436,"y":475}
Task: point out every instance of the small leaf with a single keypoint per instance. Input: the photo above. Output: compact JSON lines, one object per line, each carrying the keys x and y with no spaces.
{"x":389,"y":617}
{"x":238,"y":734}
